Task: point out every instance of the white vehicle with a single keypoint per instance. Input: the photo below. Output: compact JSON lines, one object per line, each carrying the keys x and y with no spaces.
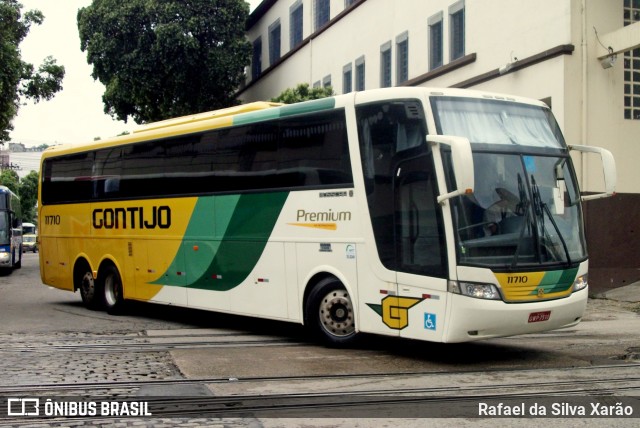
{"x":441,"y":215}
{"x":29,"y":229}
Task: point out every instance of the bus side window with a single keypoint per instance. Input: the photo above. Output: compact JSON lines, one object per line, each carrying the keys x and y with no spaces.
{"x":398,"y":175}
{"x":377,"y":147}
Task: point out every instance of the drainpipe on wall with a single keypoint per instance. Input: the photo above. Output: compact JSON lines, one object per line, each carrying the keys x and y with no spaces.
{"x":584,"y":95}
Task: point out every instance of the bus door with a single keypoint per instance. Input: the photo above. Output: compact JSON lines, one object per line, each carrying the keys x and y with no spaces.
{"x":421,"y":261}
{"x":401,"y":189}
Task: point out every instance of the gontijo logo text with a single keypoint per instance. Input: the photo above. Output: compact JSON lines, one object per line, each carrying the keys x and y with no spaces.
{"x":132,"y":218}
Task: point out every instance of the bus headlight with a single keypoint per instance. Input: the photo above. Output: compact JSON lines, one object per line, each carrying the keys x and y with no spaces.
{"x":581,"y":282}
{"x":4,"y":256}
{"x":472,"y":289}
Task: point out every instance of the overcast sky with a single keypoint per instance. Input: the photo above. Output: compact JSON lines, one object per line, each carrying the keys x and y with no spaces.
{"x":76,"y":114}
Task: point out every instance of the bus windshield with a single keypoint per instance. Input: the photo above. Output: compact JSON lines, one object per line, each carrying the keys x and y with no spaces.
{"x":525,"y":210}
{"x":4,"y":228}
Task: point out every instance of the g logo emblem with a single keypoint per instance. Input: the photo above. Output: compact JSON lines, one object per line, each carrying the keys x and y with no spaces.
{"x":395,"y":310}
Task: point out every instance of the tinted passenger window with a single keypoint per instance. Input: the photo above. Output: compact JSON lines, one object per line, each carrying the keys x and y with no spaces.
{"x":298,"y":152}
{"x":314,"y":150}
{"x":67,"y":179}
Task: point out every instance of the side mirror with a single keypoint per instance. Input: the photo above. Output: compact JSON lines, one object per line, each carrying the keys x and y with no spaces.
{"x":462,"y":164}
{"x":609,"y":170}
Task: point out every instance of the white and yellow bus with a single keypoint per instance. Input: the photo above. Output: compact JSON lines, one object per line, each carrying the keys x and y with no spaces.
{"x":440,"y":215}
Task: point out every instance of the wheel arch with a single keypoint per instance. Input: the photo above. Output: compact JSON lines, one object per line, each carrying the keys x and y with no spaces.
{"x":315,"y":277}
{"x":84,"y":261}
{"x":81,"y":264}
{"x":109,"y":261}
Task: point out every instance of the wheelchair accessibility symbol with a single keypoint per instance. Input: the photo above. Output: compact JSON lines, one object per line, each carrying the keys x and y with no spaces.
{"x":429,"y":321}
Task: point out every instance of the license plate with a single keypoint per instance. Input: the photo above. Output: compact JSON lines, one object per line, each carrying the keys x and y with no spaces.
{"x":539,"y":316}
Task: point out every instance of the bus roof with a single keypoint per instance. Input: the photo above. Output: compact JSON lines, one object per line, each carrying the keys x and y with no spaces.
{"x":168,"y":128}
{"x":215,"y":114}
{"x":5,"y":189}
{"x":262,"y":110}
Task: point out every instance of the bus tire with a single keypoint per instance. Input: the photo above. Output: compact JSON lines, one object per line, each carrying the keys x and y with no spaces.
{"x":329,"y":313}
{"x":112,"y":290}
{"x":88,"y":289}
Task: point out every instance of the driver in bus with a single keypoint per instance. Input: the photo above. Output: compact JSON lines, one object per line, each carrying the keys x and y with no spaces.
{"x":500,"y":210}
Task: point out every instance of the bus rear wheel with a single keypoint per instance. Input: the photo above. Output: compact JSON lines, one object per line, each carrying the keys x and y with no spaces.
{"x":111,"y":286}
{"x":329,"y":313}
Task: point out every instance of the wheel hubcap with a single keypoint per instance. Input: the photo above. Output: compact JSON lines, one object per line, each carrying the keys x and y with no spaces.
{"x":336,"y":314}
{"x":88,"y":286}
{"x":111,"y":290}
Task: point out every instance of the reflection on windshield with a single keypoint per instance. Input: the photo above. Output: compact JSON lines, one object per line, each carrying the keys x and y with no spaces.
{"x":525,"y":211}
{"x":485,"y":121}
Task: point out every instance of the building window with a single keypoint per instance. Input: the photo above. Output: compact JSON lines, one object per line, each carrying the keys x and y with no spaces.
{"x":296,"y":24}
{"x":274,"y":42}
{"x":435,"y":41}
{"x":326,"y":81}
{"x":402,"y":58}
{"x":256,"y":61}
{"x":348,"y":3}
{"x":347,"y":79}
{"x":360,"y":74}
{"x":385,"y":65}
{"x":632,"y":66}
{"x":456,"y":29}
{"x":322,"y":13}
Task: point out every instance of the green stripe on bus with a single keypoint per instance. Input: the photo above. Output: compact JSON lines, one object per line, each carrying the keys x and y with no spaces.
{"x":285,"y":111}
{"x":307,"y":107}
{"x":256,"y":116}
{"x":235,"y":231}
{"x":557,"y":281}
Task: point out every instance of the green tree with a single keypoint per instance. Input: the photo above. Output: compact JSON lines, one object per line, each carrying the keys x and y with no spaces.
{"x":10,"y":179}
{"x":18,"y":78}
{"x":165,"y":58}
{"x":28,"y":193}
{"x":302,"y":92}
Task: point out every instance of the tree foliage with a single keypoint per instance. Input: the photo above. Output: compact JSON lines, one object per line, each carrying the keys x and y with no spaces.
{"x":10,"y":179}
{"x":28,"y":193}
{"x":302,"y":92}
{"x":18,"y":78}
{"x":165,"y":58}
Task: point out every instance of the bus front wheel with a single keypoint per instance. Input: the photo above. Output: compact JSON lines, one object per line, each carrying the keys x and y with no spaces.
{"x":111,"y":286}
{"x":329,"y":313}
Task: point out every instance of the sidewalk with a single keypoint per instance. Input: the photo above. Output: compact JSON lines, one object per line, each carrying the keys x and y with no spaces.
{"x":629,"y":293}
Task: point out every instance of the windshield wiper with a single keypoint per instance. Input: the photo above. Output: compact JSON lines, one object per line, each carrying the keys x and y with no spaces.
{"x":541,"y":208}
{"x":523,"y":206}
